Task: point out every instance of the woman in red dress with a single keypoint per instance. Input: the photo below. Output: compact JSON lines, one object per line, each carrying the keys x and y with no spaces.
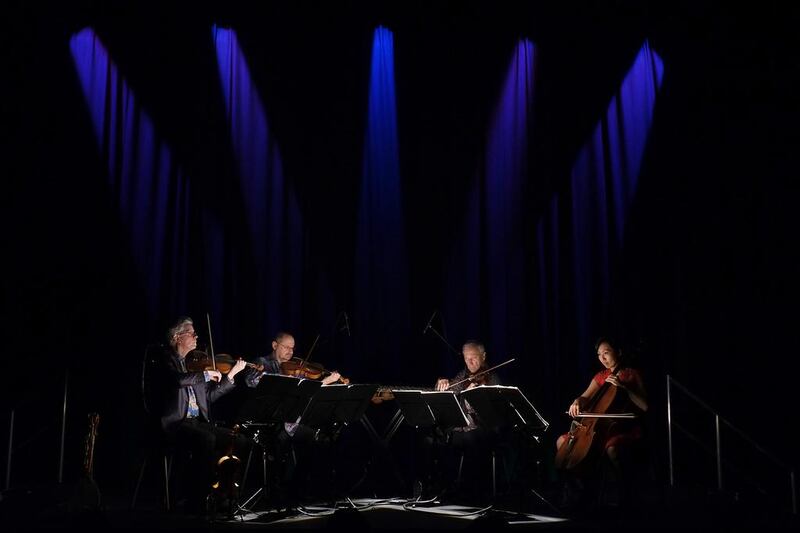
{"x":625,"y":434}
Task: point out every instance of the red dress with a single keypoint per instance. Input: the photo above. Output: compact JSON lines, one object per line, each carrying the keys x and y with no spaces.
{"x":625,"y":431}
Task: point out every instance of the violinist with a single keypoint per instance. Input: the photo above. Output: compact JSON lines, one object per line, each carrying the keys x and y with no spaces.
{"x":623,"y":437}
{"x":282,"y":352}
{"x":474,"y":354}
{"x":472,"y":441}
{"x":185,"y":418}
{"x":294,"y":438}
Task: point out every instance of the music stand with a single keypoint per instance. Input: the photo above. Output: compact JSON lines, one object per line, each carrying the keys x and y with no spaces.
{"x":435,"y":411}
{"x":431,"y":408}
{"x":500,"y":407}
{"x":337,"y":404}
{"x":446,"y":409}
{"x":276,"y":399}
{"x":413,"y":408}
{"x":331,"y":408}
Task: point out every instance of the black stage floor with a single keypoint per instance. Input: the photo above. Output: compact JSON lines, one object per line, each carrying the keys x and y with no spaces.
{"x":402,"y":514}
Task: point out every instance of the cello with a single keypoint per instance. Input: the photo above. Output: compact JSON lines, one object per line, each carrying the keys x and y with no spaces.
{"x":591,"y":426}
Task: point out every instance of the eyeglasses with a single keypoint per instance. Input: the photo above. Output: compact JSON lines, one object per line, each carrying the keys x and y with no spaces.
{"x":285,"y":346}
{"x":190,"y":333}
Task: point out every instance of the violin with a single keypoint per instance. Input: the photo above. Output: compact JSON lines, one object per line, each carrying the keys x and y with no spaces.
{"x":301,"y":368}
{"x":481,"y":376}
{"x":197,"y":361}
{"x":478,"y":378}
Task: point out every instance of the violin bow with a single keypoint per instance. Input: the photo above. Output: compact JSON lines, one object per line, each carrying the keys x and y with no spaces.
{"x":482,"y":372}
{"x":211,"y":343}
{"x":308,"y":355}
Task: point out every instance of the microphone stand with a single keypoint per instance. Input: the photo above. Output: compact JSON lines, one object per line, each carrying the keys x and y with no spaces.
{"x":442,"y":338}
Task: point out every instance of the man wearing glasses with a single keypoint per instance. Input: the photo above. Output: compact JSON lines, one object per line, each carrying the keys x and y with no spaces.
{"x":185,"y":418}
{"x":282,"y":351}
{"x":293,"y":436}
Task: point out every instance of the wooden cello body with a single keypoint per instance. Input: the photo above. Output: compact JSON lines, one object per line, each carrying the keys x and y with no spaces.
{"x":587,"y":431}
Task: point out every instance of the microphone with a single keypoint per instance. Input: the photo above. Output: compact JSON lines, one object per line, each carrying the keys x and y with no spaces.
{"x":346,"y":323}
{"x":429,"y":323}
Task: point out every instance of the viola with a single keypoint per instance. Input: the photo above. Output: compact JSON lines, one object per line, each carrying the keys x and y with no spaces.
{"x":197,"y":361}
{"x":386,"y":392}
{"x":481,"y":376}
{"x":478,"y":378}
{"x":383,"y":394}
{"x":301,"y":368}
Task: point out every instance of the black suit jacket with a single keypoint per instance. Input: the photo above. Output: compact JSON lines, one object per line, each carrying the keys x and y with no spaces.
{"x":175,"y":383}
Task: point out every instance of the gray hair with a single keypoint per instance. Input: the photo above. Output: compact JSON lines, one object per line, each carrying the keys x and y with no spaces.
{"x":177,"y":328}
{"x":279,"y":336}
{"x":475,"y":344}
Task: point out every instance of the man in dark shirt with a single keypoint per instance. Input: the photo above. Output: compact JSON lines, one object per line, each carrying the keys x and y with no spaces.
{"x":185,"y":417}
{"x":472,"y":442}
{"x":294,"y":443}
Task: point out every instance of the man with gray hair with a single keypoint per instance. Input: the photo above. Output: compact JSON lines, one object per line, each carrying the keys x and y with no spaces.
{"x":472,"y":443}
{"x":185,"y":418}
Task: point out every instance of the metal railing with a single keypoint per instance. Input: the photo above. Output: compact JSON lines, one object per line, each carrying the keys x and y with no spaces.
{"x":718,"y":422}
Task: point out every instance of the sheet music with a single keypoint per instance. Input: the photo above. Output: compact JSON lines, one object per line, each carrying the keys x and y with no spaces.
{"x":503,"y":404}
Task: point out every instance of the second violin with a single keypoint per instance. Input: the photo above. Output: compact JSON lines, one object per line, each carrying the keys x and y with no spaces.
{"x":282,"y":353}
{"x":303,"y":369}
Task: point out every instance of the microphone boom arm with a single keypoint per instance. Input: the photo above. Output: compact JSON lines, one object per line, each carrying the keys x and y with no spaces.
{"x":429,"y":326}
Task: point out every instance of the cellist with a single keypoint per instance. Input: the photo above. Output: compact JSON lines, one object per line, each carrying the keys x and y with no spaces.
{"x":621,"y":435}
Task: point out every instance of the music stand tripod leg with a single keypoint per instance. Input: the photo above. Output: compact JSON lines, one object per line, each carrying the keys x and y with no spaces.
{"x":261,"y":491}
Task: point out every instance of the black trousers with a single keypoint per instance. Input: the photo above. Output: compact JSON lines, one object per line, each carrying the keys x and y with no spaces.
{"x":205,"y":444}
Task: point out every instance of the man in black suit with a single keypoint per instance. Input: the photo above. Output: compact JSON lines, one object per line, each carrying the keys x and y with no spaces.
{"x":185,"y":418}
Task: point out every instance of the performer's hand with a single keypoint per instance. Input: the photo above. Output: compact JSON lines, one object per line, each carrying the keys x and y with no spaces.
{"x":575,"y":408}
{"x":236,"y":368}
{"x":442,"y":384}
{"x":332,"y":378}
{"x":259,"y":368}
{"x":472,"y":385}
{"x":614,"y":380}
{"x":214,"y":375}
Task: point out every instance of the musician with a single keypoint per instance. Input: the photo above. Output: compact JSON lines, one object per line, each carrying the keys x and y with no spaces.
{"x":294,"y":443}
{"x":185,"y":416}
{"x":473,"y":441}
{"x":474,"y":354}
{"x":282,"y":352}
{"x":624,"y":436}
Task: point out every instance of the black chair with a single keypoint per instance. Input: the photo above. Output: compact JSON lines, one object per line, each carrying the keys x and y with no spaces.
{"x":488,"y":445}
{"x":158,"y":451}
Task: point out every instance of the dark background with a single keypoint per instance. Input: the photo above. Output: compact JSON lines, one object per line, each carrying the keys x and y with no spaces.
{"x":706,"y":283}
